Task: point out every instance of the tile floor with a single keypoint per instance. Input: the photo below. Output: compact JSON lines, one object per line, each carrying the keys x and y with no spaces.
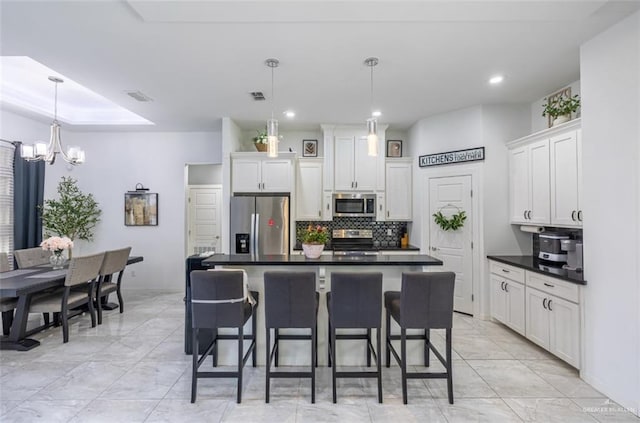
{"x":133,"y":369}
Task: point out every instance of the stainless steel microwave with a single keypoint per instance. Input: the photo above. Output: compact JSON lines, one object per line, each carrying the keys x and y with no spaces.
{"x":354,"y":205}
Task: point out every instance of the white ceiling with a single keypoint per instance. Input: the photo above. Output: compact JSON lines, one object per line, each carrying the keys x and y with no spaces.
{"x":198,"y":60}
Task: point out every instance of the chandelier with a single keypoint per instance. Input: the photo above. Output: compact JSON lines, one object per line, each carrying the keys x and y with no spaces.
{"x":372,"y":122}
{"x":272,"y":124}
{"x":48,"y":152}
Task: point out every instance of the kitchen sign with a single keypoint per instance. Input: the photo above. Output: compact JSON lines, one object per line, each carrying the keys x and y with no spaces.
{"x":450,"y":157}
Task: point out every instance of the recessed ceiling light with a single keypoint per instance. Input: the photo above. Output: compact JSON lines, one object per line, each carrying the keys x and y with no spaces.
{"x":290,"y":114}
{"x":496,"y":79}
{"x":376,"y":113}
{"x":25,"y":84}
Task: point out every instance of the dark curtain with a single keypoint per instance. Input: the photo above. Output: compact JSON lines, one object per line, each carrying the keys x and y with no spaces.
{"x":28,"y":195}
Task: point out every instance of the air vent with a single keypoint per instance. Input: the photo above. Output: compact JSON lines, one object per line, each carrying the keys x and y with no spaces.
{"x":140,"y":96}
{"x":257,"y":95}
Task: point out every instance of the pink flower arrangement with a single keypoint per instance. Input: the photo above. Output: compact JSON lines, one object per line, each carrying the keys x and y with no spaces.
{"x":56,"y":244}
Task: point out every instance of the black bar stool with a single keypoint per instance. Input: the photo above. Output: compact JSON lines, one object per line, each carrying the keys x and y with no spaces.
{"x":218,"y":300}
{"x":424,"y":302}
{"x":355,"y":302}
{"x":290,"y":301}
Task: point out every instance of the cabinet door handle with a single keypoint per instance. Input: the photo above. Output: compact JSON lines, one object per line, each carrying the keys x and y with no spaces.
{"x":549,"y":305}
{"x":258,"y":185}
{"x":319,"y":213}
{"x":579,"y":215}
{"x":573,"y":215}
{"x":506,"y":286}
{"x":502,"y":285}
{"x":529,"y":215}
{"x":387,"y":213}
{"x":356,"y":184}
{"x":351,"y":184}
{"x":544,"y":303}
{"x":549,"y":285}
{"x":506,"y":271}
{"x":328,"y":205}
{"x":524,"y":213}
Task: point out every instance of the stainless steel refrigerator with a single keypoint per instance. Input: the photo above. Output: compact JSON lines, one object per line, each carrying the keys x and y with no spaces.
{"x":259,"y":225}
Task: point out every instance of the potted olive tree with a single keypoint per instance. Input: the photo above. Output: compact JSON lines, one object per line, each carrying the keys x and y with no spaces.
{"x":74,"y":215}
{"x":560,"y":108}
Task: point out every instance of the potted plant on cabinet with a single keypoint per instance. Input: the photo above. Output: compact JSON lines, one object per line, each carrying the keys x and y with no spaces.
{"x":260,"y":140}
{"x":313,"y":240}
{"x":560,"y":108}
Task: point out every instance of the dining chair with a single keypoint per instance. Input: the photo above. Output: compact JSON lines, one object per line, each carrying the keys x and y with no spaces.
{"x":291,"y":302}
{"x":83,"y":272}
{"x":7,"y":305}
{"x":114,"y":262}
{"x":221,"y":299}
{"x":30,"y":257}
{"x":355,"y":302}
{"x":425,"y":302}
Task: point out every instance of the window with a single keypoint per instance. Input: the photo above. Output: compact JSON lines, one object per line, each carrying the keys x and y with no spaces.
{"x":6,"y":199}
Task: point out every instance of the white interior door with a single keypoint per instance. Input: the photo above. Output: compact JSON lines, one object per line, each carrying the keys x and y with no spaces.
{"x":449,"y":195}
{"x":204,"y":219}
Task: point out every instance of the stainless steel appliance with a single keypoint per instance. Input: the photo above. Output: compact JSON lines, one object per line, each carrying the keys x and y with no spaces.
{"x":550,"y":247}
{"x":353,"y":242}
{"x":574,"y":254}
{"x":354,"y":205}
{"x":259,"y":225}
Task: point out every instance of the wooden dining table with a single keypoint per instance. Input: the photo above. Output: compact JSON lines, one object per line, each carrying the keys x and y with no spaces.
{"x":24,"y":284}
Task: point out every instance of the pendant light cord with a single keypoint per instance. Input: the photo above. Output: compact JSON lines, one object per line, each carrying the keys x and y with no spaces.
{"x":55,"y":104}
{"x":273,"y":93}
{"x":371,"y":90}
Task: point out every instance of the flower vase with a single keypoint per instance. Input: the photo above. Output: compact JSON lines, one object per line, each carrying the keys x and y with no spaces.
{"x":57,"y":260}
{"x":312,"y":251}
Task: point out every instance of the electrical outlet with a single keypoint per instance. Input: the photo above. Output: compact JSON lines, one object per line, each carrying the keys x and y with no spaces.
{"x":389,"y":232}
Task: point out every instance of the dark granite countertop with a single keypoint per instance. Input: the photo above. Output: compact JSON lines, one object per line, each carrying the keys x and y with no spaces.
{"x":540,"y":266}
{"x":325,"y":260}
{"x":408,"y":248}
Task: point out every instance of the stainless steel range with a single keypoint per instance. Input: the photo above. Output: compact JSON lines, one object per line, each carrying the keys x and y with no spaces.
{"x":353,"y":242}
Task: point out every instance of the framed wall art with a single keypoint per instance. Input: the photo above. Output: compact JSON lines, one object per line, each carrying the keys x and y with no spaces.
{"x":394,"y":148}
{"x":309,"y":148}
{"x":140,"y":208}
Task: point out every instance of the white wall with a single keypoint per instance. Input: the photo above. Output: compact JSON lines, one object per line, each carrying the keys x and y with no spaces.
{"x":116,"y":161}
{"x":488,"y":126}
{"x":204,"y":174}
{"x":610,"y":72}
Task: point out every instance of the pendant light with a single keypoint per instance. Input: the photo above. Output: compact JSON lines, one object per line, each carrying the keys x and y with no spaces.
{"x":48,"y":153}
{"x":372,"y":122}
{"x":272,"y":124}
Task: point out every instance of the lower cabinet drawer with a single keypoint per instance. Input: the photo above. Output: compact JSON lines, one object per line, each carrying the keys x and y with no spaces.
{"x":557,"y":287}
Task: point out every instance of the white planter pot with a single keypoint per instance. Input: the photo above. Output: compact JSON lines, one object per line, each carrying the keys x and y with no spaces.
{"x":561,"y":119}
{"x":312,"y":251}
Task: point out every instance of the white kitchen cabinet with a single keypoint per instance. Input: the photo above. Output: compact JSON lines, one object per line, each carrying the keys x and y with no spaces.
{"x":529,"y":183}
{"x":507,"y":299}
{"x":554,"y":312}
{"x":251,"y":173}
{"x":309,"y":193}
{"x":566,"y":179}
{"x":545,"y":177}
{"x":354,"y":169}
{"x":398,"y":189}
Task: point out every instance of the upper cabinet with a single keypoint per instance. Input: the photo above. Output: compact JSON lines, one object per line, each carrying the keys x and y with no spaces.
{"x":309,"y":194}
{"x":354,"y":169}
{"x":254,"y":172}
{"x":398,"y":189}
{"x":566,"y":179}
{"x":545,"y":177}
{"x":529,"y":183}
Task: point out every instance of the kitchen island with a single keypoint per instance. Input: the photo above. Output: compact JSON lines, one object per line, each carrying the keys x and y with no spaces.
{"x":296,"y":353}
